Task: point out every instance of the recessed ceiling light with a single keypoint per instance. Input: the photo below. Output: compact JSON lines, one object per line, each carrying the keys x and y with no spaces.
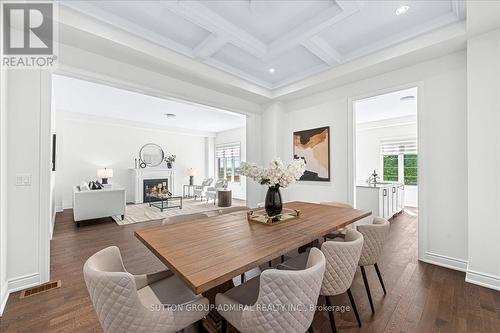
{"x":170,"y":115}
{"x":272,"y":70}
{"x":402,"y":10}
{"x":407,"y":98}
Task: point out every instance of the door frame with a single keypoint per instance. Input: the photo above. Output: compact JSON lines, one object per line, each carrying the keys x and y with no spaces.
{"x":422,"y":195}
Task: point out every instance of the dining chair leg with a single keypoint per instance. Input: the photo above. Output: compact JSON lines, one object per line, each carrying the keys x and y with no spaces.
{"x":242,"y":278}
{"x":354,"y":306}
{"x":380,"y":278}
{"x":223,"y":328}
{"x":331,"y":315}
{"x":269,"y":263}
{"x":367,"y":286}
{"x":282,"y":258}
{"x":201,"y":328}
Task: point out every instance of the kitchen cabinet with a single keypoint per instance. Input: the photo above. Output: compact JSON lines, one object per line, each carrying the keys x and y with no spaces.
{"x":383,"y":199}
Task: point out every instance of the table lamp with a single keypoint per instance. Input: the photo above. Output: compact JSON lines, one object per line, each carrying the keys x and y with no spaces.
{"x":191,"y":173}
{"x":105,"y":174}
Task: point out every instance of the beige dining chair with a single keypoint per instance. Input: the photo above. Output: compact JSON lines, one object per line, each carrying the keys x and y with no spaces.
{"x":375,"y":235}
{"x":183,"y":218}
{"x":341,"y":262}
{"x":124,"y":303}
{"x":278,"y":301}
{"x":340,"y":232}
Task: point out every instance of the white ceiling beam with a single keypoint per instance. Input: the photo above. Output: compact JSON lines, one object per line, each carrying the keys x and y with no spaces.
{"x":199,"y":14}
{"x":320,"y":48}
{"x":209,"y":46}
{"x":314,"y":26}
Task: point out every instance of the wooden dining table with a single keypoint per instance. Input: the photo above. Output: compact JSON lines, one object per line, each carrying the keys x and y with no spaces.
{"x":207,"y":253}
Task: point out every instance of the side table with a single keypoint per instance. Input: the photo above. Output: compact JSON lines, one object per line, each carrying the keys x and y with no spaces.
{"x":224,"y":197}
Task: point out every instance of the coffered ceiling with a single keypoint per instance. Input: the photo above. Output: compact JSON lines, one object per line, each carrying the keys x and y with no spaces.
{"x":274,"y":43}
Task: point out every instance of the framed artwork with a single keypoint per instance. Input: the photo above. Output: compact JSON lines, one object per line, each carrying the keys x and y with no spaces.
{"x":313,"y":146}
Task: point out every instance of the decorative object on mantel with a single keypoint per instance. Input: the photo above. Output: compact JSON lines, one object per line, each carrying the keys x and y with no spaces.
{"x":261,"y":216}
{"x":276,"y":175}
{"x":191,"y":174}
{"x":105,"y":174}
{"x":170,"y":160}
{"x":151,"y":155}
{"x":313,"y":146}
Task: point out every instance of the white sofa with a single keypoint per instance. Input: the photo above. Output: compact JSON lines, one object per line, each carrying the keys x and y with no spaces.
{"x":93,"y":204}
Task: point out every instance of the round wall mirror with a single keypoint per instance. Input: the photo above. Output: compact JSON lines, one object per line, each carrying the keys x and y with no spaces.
{"x":151,"y":154}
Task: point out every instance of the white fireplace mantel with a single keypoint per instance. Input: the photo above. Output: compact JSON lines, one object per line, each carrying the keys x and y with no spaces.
{"x":139,"y":175}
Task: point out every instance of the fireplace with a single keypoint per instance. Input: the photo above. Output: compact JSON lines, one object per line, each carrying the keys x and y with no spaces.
{"x":153,"y":187}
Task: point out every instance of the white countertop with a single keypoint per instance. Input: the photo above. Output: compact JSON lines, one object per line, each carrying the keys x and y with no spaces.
{"x":377,"y":185}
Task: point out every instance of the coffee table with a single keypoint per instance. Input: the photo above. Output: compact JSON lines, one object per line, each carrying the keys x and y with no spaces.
{"x":166,"y":202}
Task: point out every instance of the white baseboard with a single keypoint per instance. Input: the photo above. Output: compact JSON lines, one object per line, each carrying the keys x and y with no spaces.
{"x":4,"y":296}
{"x":23,"y":282}
{"x":445,"y":261}
{"x":482,"y":279}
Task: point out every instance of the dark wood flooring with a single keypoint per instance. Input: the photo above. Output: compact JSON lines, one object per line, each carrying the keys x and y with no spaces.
{"x":421,"y":297}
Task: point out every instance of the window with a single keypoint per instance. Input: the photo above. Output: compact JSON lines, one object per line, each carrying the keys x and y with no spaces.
{"x":228,"y":162}
{"x":391,"y":171}
{"x":410,"y":169}
{"x":400,"y":160}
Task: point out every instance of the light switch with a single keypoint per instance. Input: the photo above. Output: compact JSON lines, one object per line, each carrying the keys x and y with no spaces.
{"x":23,"y":179}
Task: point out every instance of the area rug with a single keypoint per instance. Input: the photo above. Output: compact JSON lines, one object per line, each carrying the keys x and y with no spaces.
{"x":143,"y":213}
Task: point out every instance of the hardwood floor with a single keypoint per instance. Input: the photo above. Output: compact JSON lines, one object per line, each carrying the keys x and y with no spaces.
{"x":420,"y":297}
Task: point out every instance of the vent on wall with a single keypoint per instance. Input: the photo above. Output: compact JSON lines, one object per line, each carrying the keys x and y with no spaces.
{"x":40,"y":289}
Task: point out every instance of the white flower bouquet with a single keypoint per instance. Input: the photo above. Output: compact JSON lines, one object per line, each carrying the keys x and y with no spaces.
{"x":277,"y":174}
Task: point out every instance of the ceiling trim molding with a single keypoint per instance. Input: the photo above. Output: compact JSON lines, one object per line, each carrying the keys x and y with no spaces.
{"x":209,"y":46}
{"x":199,"y":14}
{"x":312,"y":27}
{"x":221,"y":32}
{"x":320,"y":48}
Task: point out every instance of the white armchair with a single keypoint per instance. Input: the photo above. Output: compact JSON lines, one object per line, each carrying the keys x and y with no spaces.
{"x":201,"y":190}
{"x":212,"y":191}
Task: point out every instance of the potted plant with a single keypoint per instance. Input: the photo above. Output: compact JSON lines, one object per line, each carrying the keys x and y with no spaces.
{"x":170,"y":160}
{"x":276,"y":175}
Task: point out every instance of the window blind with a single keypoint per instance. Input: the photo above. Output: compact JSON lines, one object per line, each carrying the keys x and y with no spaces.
{"x":228,"y":150}
{"x":398,"y":146}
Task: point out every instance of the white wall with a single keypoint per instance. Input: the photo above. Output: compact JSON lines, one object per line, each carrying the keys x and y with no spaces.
{"x":3,"y":192}
{"x":89,"y":143}
{"x":233,"y":136}
{"x":442,"y":148}
{"x":483,"y":139}
{"x":368,"y":158}
{"x":28,"y":211}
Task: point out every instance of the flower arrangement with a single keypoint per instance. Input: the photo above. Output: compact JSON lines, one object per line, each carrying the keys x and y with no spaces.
{"x":277,"y":174}
{"x":170,"y":158}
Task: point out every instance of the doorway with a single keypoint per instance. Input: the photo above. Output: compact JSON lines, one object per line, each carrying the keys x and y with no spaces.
{"x":385,"y":149}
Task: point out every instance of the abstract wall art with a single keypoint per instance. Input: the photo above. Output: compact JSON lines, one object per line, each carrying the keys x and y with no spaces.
{"x":313,"y":146}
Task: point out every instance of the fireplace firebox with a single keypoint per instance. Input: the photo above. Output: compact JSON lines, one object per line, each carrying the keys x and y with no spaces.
{"x":152,"y":188}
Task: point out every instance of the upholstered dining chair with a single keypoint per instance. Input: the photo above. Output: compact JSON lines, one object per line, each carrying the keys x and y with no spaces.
{"x":201,"y":190}
{"x":375,"y":235}
{"x":265,"y":303}
{"x":340,"y":232}
{"x":341,"y":262}
{"x":212,"y":191}
{"x":139,"y":303}
{"x":183,"y":218}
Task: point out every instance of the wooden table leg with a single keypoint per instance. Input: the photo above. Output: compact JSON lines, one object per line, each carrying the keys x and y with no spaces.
{"x":213,"y":321}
